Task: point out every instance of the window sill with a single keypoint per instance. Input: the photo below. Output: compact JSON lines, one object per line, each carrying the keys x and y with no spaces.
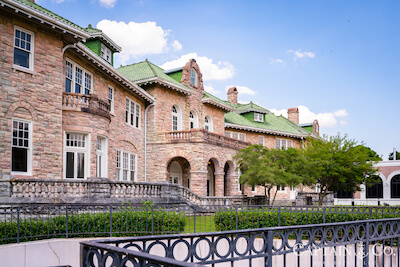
{"x":21,"y":174}
{"x":19,"y":68}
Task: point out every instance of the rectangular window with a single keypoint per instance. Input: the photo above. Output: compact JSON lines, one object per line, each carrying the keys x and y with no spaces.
{"x":76,"y":155}
{"x":261,"y":140}
{"x":125,"y":166}
{"x":258,"y":117}
{"x":236,"y":135}
{"x":77,"y":79}
{"x":106,"y":53}
{"x":101,"y":157}
{"x":283,"y":143}
{"x":21,"y":146}
{"x":23,"y":48}
{"x":111,"y":98}
{"x":132,"y":113}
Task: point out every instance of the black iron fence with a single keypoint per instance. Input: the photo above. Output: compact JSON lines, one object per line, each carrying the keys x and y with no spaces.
{"x":359,"y":243}
{"x":20,"y":223}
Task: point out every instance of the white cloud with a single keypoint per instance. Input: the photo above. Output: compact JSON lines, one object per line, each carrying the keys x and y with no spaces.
{"x":241,"y":89}
{"x":325,"y":119}
{"x":276,"y":61}
{"x":136,"y":39}
{"x":211,"y":71}
{"x":176,"y":45}
{"x":211,"y":90}
{"x":299,"y":54}
{"x":108,"y":3}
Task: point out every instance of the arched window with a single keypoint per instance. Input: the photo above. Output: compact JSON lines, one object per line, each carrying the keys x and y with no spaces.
{"x":176,"y":118}
{"x":193,"y":77}
{"x":208,"y":124}
{"x":193,"y":121}
{"x":395,"y":187}
{"x":376,"y":189}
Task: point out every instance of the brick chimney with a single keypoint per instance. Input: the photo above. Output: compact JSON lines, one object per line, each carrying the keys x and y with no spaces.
{"x":293,"y":115}
{"x":315,"y":127}
{"x":232,"y":95}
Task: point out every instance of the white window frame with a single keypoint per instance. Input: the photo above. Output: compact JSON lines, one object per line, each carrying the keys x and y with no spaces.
{"x":29,"y":148}
{"x":283,"y":143}
{"x":122,"y":157}
{"x":133,"y":112}
{"x":73,"y":79}
{"x":178,"y":116}
{"x":193,"y":120}
{"x":193,"y":77}
{"x":101,"y":156}
{"x":111,"y":100}
{"x":281,"y":188}
{"x":105,"y":53}
{"x":208,"y":122}
{"x":31,"y":51}
{"x":236,"y":135}
{"x":261,"y":140}
{"x":75,"y":150}
{"x":258,"y":117}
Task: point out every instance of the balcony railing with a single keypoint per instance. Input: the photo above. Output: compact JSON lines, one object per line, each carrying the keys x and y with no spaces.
{"x":202,"y":135}
{"x":86,"y":103}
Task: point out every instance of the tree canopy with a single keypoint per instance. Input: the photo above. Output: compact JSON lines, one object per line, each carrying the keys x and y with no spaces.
{"x":268,"y":167}
{"x":397,"y":156}
{"x":371,"y":153}
{"x":336,"y":162}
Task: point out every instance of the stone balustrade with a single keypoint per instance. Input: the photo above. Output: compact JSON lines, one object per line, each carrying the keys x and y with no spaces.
{"x":104,"y":190}
{"x":202,"y":135}
{"x":86,"y":103}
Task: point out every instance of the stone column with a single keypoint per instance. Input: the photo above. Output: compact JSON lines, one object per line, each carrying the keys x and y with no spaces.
{"x":198,"y":182}
{"x":234,"y":184}
{"x":219,"y":184}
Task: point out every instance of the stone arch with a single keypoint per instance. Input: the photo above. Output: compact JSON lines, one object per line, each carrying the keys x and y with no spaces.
{"x":174,"y":154}
{"x":21,"y":104}
{"x":228,"y":171}
{"x":178,"y":171}
{"x":126,"y":145}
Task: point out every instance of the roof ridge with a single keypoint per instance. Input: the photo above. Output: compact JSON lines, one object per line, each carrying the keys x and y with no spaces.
{"x":151,"y":67}
{"x":144,"y":61}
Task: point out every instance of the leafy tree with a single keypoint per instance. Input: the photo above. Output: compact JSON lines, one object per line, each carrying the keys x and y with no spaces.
{"x":372,"y":154}
{"x":397,"y":156}
{"x":268,"y":168}
{"x":336,"y":162}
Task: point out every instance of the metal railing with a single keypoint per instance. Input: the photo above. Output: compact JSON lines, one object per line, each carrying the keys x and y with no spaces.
{"x":20,"y":223}
{"x":360,"y":243}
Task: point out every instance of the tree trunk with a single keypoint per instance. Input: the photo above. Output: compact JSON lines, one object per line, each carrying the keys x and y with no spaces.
{"x":321,"y":197}
{"x":273,"y":200}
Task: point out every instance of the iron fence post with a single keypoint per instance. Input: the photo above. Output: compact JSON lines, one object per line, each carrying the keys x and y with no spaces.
{"x":279,"y":216}
{"x":237,"y":218}
{"x":194,"y":219}
{"x":366,"y":246}
{"x":370,"y":213}
{"x":18,"y":224}
{"x":110,"y":220}
{"x":324,"y":216}
{"x":152,"y":220}
{"x":66,"y":221}
{"x":270,"y":240}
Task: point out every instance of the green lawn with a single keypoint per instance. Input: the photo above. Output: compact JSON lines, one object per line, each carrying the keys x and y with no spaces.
{"x":203,"y":224}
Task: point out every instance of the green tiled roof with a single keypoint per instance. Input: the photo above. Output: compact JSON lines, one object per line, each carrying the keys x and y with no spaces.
{"x":90,"y":29}
{"x":146,"y":70}
{"x":49,"y":13}
{"x":241,"y":108}
{"x":208,"y":95}
{"x":272,"y":123}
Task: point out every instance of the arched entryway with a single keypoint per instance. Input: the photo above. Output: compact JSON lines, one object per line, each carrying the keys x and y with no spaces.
{"x":375,"y":190}
{"x":178,"y":171}
{"x":211,"y":166}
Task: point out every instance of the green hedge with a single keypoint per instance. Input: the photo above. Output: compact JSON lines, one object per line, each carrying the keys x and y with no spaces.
{"x":250,"y":219}
{"x":124,"y":223}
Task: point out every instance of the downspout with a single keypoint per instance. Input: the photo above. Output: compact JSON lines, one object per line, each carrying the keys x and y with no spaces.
{"x":145,"y":140}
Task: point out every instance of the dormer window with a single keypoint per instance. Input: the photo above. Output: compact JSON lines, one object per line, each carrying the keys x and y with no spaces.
{"x":106,"y":53}
{"x":193,"y":77}
{"x":258,"y":117}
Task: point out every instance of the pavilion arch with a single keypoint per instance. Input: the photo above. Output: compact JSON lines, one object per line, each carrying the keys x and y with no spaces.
{"x":394,"y":182}
{"x":178,"y":171}
{"x":375,"y":190}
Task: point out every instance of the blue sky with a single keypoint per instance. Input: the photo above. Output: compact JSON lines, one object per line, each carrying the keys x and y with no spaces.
{"x":339,"y":61}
